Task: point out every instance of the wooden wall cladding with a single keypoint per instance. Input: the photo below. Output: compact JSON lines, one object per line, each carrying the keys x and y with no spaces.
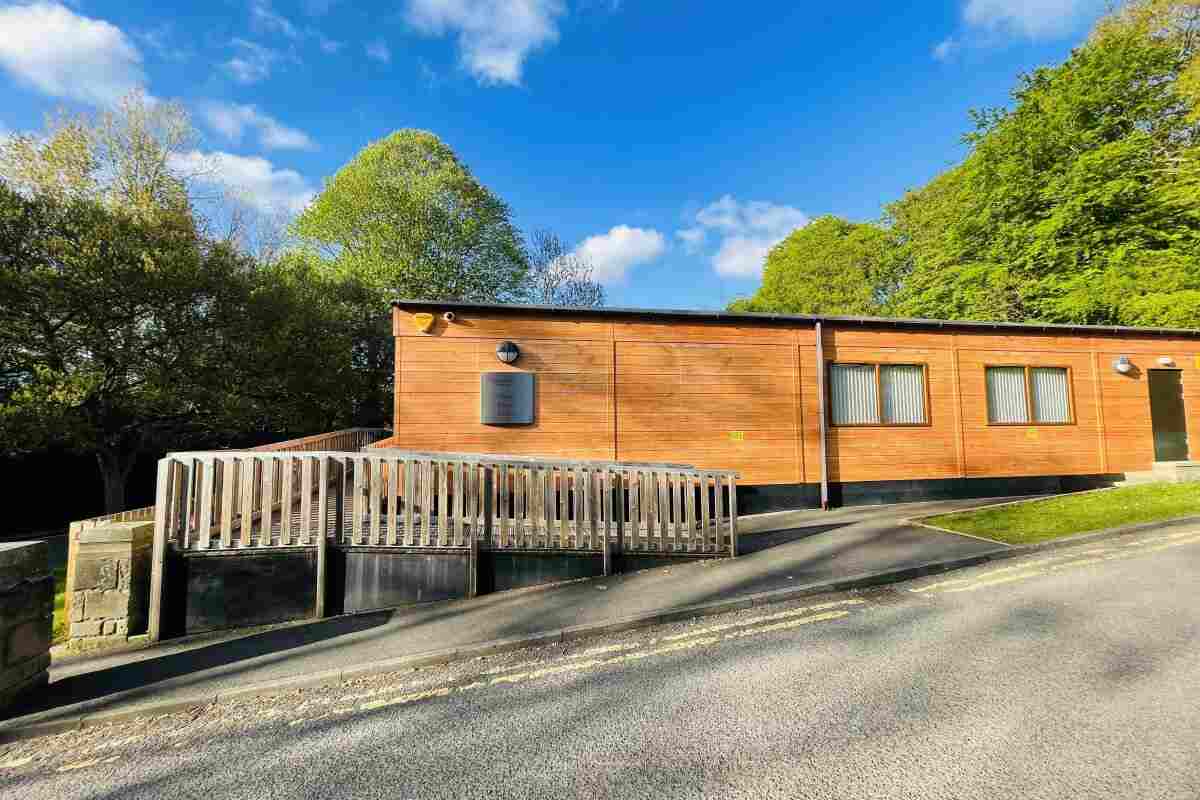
{"x":709,"y":403}
{"x":745,"y":397}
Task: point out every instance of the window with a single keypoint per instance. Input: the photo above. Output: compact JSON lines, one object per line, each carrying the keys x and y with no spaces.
{"x":1020,"y":395}
{"x":877,"y":394}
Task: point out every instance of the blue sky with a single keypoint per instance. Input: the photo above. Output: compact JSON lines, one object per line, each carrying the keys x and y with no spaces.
{"x":671,"y":142}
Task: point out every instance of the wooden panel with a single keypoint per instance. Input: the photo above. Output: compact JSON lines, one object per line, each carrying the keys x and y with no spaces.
{"x":744,"y":396}
{"x":475,"y":326}
{"x":700,"y":332}
{"x":717,"y":406}
{"x":998,"y":450}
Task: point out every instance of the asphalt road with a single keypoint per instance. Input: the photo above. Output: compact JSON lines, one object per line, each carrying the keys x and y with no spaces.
{"x":1069,"y":674}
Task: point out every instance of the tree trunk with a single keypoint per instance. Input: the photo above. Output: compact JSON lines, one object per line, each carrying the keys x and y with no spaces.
{"x":114,"y":472}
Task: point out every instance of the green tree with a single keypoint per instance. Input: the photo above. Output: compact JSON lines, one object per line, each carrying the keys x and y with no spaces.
{"x":123,"y":156}
{"x":1081,"y":203}
{"x":830,"y":266}
{"x":115,"y":332}
{"x":406,"y":217}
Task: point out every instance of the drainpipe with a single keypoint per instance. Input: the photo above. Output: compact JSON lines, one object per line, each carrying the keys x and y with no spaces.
{"x":821,"y":416}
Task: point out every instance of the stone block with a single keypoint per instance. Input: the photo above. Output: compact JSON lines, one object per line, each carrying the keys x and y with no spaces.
{"x":21,"y":561}
{"x":89,"y":627}
{"x":27,"y":640}
{"x":76,"y":607}
{"x":27,"y":599}
{"x":122,"y":627}
{"x":105,"y":605}
{"x":95,"y":572}
{"x":110,"y":627}
{"x":24,"y":670}
{"x":123,"y":575}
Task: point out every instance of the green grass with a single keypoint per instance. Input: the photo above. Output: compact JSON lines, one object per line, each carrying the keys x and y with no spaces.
{"x":58,"y":568}
{"x":1040,"y":520}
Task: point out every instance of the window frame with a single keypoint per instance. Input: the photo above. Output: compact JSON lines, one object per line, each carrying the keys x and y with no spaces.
{"x":831,"y":363}
{"x":1029,"y":396}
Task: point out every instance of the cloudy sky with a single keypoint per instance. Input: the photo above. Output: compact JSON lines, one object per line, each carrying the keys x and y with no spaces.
{"x":671,"y":141}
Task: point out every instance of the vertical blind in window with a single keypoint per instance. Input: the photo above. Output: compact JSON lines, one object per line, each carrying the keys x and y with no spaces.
{"x":852,"y":389}
{"x":1007,"y":402}
{"x":1051,"y":400}
{"x":1043,"y":396}
{"x":903,"y":393}
{"x":873,"y":394}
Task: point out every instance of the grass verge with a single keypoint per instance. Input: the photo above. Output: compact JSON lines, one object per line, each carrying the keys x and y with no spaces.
{"x":1055,"y":517}
{"x":58,"y":568}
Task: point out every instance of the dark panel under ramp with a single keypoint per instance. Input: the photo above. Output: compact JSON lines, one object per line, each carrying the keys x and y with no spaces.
{"x":235,"y":590}
{"x":366,"y":578}
{"x":499,"y":570}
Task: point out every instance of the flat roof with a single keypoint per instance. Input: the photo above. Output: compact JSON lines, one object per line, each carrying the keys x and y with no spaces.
{"x":666,"y":314}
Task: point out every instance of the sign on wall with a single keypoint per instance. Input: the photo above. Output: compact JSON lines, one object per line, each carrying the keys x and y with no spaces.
{"x":506,"y":398}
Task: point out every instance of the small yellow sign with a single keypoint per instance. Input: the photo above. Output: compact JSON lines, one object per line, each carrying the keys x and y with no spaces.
{"x":737,"y":436}
{"x":1031,"y":433}
{"x":422,"y":322}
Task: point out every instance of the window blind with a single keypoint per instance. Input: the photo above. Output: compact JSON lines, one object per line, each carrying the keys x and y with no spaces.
{"x":852,"y":394}
{"x":1006,"y":399}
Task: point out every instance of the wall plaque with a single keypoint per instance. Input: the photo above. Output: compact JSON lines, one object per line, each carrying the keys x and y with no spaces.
{"x":506,"y":398}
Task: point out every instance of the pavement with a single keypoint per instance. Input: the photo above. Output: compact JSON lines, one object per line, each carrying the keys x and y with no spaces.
{"x":781,"y":551}
{"x":1066,"y":673}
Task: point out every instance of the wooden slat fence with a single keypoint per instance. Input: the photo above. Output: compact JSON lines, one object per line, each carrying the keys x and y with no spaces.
{"x":257,"y":499}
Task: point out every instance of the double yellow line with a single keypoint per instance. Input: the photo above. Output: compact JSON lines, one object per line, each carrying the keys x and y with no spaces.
{"x":1049,"y":564}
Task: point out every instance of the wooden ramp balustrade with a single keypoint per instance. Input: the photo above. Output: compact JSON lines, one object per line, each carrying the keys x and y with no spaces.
{"x":261,"y":500}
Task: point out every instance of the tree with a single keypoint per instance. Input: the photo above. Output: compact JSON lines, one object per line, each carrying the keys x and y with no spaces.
{"x":830,"y":266}
{"x":559,"y":277}
{"x":116,"y":331}
{"x":406,"y":217}
{"x":1081,"y":204}
{"x":125,"y":156}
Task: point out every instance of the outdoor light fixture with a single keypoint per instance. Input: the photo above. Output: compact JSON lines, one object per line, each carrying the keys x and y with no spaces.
{"x":1166,"y":361}
{"x":507,"y":352}
{"x":1122,"y":364}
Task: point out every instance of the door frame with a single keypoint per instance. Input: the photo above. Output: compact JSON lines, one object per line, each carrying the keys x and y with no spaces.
{"x":1182,"y":404}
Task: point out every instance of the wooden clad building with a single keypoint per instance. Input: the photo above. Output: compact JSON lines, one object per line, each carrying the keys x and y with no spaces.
{"x":905,"y":408}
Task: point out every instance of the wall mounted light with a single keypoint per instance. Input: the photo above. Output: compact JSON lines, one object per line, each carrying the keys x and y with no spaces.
{"x":1166,"y":361}
{"x":507,"y":352}
{"x":1122,"y":365}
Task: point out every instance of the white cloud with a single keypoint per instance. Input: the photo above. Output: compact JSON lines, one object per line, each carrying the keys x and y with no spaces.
{"x":494,"y":36}
{"x":51,"y":48}
{"x":946,"y":48}
{"x":748,"y":231}
{"x":232,"y":120}
{"x":265,"y":18}
{"x":692,"y":238}
{"x":379,"y":51}
{"x":252,"y":179}
{"x":253,"y":62}
{"x":1034,"y":19}
{"x":612,"y":254}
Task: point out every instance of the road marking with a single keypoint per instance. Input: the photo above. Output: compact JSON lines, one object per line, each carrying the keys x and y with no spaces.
{"x":82,"y":764}
{"x":764,"y":618}
{"x":626,"y":653}
{"x":1043,"y":566}
{"x":1019,"y":576}
{"x":794,"y":623}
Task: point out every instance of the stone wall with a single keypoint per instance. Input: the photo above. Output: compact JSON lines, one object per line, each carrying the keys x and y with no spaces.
{"x":26,"y":618}
{"x":109,"y":581}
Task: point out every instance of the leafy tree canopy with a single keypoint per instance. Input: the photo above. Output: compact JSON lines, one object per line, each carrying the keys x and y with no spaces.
{"x":1079,"y":204}
{"x":406,"y":217}
{"x":829,"y":266}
